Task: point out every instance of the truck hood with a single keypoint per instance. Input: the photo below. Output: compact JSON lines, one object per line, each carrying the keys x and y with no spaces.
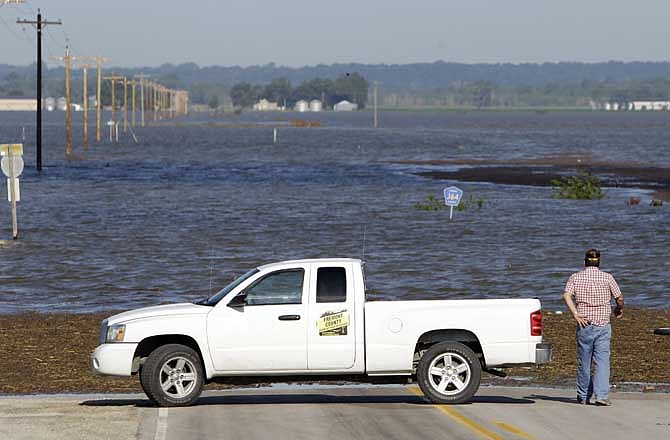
{"x":159,"y":311}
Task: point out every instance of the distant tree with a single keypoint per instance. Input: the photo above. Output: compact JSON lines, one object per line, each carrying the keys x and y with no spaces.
{"x":170,"y":80}
{"x":279,"y":90}
{"x":198,"y":93}
{"x":245,"y":95}
{"x":354,"y":86}
{"x":105,"y":92}
{"x":12,"y":77}
{"x":316,"y":88}
{"x":213,"y":102}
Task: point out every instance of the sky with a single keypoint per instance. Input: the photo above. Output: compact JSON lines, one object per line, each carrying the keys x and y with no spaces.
{"x":308,"y":32}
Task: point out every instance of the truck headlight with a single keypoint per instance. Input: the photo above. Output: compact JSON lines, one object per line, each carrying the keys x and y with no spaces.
{"x":103,"y":333}
{"x":115,"y":333}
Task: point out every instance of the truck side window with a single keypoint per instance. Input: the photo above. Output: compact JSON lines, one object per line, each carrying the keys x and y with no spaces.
{"x":331,"y":285}
{"x":281,"y":287}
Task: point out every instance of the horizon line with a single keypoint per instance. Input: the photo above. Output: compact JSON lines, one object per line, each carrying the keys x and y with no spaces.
{"x":357,"y":63}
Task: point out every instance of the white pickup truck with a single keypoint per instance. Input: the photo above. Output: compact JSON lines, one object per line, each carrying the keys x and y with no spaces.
{"x":311,"y":318}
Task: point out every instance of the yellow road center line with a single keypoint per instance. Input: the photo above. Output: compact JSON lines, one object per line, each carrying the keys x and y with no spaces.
{"x":514,"y":430}
{"x":462,"y":419}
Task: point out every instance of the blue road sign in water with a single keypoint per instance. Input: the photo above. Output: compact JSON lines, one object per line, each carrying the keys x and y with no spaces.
{"x":452,"y":196}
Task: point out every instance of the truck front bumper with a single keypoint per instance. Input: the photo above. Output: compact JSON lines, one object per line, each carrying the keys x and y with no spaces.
{"x":543,"y":352}
{"x":113,"y":359}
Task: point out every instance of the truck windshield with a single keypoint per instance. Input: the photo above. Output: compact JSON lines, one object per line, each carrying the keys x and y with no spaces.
{"x":214,"y":299}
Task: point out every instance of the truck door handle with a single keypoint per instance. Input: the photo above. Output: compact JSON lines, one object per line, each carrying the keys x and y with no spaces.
{"x":289,"y":317}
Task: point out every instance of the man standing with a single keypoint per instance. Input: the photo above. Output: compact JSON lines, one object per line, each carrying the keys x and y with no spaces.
{"x":593,"y":290}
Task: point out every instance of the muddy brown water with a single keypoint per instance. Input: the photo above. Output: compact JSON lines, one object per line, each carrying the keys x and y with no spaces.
{"x":193,"y":205}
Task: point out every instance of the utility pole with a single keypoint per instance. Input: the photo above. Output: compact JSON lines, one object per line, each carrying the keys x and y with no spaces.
{"x":375,"y":96}
{"x":156,"y":102}
{"x":68,"y":101}
{"x":98,"y":60}
{"x":142,"y":102}
{"x":38,"y":121}
{"x":149,"y":102}
{"x":68,"y":116}
{"x":165,"y":103}
{"x":84,"y":67}
{"x":160,"y":102}
{"x":98,"y":102}
{"x":125,"y":104}
{"x":132,"y":103}
{"x":113,"y":79}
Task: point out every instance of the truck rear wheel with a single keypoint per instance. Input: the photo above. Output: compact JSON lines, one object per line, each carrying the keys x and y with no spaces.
{"x":172,"y":375}
{"x":449,"y":372}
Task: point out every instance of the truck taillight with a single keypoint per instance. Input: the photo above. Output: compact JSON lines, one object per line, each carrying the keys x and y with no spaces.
{"x":536,"y":323}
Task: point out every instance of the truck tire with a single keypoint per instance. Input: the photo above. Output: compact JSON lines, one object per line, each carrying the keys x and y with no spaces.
{"x":449,"y":372}
{"x":172,"y":376}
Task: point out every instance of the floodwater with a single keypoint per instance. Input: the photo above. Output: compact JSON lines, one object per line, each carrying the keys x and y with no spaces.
{"x":178,"y":215}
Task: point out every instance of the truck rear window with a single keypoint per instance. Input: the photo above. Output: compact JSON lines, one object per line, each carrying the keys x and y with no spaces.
{"x":331,"y":285}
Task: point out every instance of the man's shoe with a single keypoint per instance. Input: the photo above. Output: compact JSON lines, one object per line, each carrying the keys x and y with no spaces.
{"x":603,"y":402}
{"x":582,"y":401}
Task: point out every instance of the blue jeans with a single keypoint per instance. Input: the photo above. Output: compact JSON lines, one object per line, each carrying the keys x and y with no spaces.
{"x":593,"y":343}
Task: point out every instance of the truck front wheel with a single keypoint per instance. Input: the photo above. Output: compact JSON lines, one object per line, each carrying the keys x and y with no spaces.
{"x":172,"y":375}
{"x":449,"y":372}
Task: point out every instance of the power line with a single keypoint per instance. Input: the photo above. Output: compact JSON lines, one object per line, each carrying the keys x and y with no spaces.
{"x":68,"y":42}
{"x":17,"y":35}
{"x":54,"y":38}
{"x":27,"y":5}
{"x":46,"y":45}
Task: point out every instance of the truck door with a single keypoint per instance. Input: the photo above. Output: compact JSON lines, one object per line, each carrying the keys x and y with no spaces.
{"x":269,"y":332}
{"x":331,"y":333}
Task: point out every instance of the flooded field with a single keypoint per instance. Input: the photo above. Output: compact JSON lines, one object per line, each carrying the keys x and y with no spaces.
{"x":194,"y":204}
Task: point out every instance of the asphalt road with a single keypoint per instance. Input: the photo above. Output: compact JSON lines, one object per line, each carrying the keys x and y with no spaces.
{"x":339,"y":413}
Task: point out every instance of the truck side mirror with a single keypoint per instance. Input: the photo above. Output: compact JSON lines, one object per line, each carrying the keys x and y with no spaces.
{"x":239,"y":301}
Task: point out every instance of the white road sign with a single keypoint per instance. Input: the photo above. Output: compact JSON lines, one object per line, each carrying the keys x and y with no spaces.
{"x":17,"y":190}
{"x":17,"y":165}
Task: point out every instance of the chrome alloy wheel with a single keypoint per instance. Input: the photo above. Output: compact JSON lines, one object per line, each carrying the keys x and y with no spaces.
{"x":178,"y":377}
{"x":449,"y":374}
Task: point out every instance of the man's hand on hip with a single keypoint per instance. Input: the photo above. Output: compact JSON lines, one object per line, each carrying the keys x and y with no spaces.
{"x":581,"y":319}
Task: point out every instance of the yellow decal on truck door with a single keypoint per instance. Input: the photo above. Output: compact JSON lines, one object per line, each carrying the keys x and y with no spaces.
{"x":333,"y":323}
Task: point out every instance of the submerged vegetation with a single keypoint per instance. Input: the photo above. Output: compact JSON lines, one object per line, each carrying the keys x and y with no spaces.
{"x":471,"y":202}
{"x":585,"y":186}
{"x":432,"y":203}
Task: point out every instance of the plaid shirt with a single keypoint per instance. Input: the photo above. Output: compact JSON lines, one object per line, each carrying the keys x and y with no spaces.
{"x":593,"y":289}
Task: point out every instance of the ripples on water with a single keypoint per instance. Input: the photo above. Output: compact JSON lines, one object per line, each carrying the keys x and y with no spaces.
{"x":131,"y":225}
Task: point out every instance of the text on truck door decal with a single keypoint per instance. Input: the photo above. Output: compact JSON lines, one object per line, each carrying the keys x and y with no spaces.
{"x":333,"y":323}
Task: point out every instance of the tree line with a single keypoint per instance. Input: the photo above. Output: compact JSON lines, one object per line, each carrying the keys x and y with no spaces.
{"x":350,"y":86}
{"x":440,"y":85}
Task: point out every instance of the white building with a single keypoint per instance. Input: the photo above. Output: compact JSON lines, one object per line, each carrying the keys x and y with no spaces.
{"x":266,"y":106}
{"x":18,"y":104}
{"x":301,"y":106}
{"x":649,"y":105}
{"x":345,"y":106}
{"x":50,"y":104}
{"x":315,"y":105}
{"x":61,"y":104}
